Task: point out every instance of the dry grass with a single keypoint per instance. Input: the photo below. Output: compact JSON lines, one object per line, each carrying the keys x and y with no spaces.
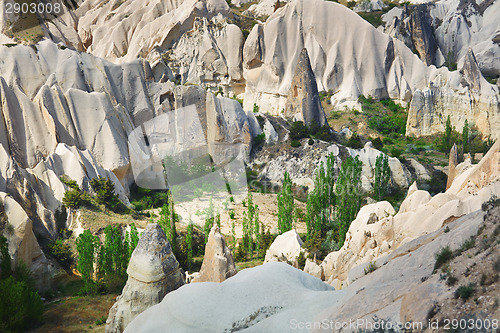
{"x":76,"y":314}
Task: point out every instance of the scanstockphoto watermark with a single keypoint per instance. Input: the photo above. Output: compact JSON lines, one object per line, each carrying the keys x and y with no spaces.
{"x":354,"y":325}
{"x":172,"y":152}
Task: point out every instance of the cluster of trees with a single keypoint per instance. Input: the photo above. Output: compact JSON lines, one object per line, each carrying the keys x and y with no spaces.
{"x":469,"y":141}
{"x":20,"y":303}
{"x":331,"y":207}
{"x":104,"y":190}
{"x":104,"y":266}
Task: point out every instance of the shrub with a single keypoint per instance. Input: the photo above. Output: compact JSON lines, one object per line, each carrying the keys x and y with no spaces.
{"x":101,"y":321}
{"x":255,"y":108}
{"x":259,"y":139}
{"x":69,"y":182}
{"x":443,"y":256}
{"x":377,"y":143}
{"x":104,"y":189}
{"x":372,"y":266}
{"x":465,"y":291}
{"x":354,"y":141}
{"x":61,"y":252}
{"x":20,"y":305}
{"x":231,"y":215}
{"x":295,"y":144}
{"x":310,"y":142}
{"x":301,"y":261}
{"x":298,"y":130}
{"x":72,"y":198}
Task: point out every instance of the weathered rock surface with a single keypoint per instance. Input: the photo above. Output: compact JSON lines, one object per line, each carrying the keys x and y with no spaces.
{"x":286,"y":248}
{"x":152,"y":272}
{"x":218,"y":263}
{"x":303,"y":101}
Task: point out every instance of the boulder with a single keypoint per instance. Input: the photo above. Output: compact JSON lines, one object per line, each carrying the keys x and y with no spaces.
{"x":286,"y":247}
{"x":303,"y":101}
{"x":152,"y":272}
{"x":314,"y":269}
{"x":270,"y":132}
{"x":218,"y":263}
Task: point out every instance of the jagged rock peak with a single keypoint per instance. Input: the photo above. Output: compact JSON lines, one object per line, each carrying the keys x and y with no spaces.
{"x":471,"y":72}
{"x":303,"y":97}
{"x":153,"y":272}
{"x":218,"y":263}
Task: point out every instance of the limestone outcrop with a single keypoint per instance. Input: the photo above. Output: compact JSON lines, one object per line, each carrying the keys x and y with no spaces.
{"x":303,"y":101}
{"x":218,"y":263}
{"x":152,"y":272}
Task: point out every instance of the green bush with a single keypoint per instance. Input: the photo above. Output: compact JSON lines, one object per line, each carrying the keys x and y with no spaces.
{"x":465,"y":291}
{"x":377,"y":143}
{"x":104,"y":189}
{"x":72,"y":198}
{"x":19,"y":305}
{"x":372,"y":266}
{"x":301,"y":261}
{"x":295,"y":144}
{"x":298,"y":130}
{"x":443,"y":256}
{"x":69,"y":182}
{"x":354,"y":141}
{"x":255,"y":108}
{"x":61,"y":252}
{"x":259,"y":139}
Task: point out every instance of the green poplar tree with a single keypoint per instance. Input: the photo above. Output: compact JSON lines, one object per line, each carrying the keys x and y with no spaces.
{"x":382,"y":177}
{"x":348,"y":190}
{"x":286,"y":205}
{"x":189,"y":243}
{"x":465,"y":137}
{"x":87,"y":247}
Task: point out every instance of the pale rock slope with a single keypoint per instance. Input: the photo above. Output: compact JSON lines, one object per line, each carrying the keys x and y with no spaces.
{"x":350,"y":57}
{"x":152,"y":272}
{"x":403,"y":288}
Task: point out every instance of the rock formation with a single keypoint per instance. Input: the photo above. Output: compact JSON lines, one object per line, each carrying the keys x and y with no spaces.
{"x":303,"y":100}
{"x":285,"y":248}
{"x":218,"y":264}
{"x":399,"y":286}
{"x":152,"y":272}
{"x":452,"y":164}
{"x":449,"y":29}
{"x":341,"y":63}
{"x":376,"y":231}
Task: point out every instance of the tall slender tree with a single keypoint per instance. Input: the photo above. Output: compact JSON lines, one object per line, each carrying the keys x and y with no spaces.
{"x":382,"y":176}
{"x":286,"y":206}
{"x":348,"y":190}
